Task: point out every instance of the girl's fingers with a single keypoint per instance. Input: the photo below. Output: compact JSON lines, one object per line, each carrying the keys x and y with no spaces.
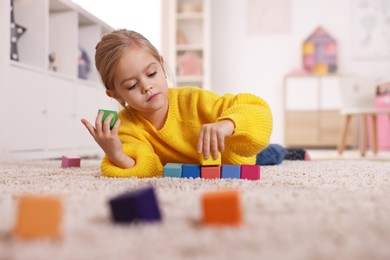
{"x":115,"y":128}
{"x":98,"y":121}
{"x":106,"y":124}
{"x":200,"y":142}
{"x":89,"y":127}
{"x":214,"y":144}
{"x":206,"y":143}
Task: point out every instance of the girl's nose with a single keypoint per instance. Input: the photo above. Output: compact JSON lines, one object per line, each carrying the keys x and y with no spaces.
{"x":147,"y":89}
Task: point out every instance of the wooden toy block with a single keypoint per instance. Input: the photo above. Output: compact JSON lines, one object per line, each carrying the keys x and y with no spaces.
{"x":106,"y":113}
{"x":211,"y":172}
{"x":250,"y":172}
{"x":191,"y":171}
{"x":229,"y":171}
{"x":70,"y":161}
{"x":140,"y":205}
{"x":38,"y":216}
{"x":173,"y":170}
{"x":221,"y":208}
{"x":210,"y":160}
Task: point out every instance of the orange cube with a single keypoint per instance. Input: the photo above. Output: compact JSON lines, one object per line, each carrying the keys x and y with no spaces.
{"x":210,"y":172}
{"x":221,"y":208}
{"x":38,"y":216}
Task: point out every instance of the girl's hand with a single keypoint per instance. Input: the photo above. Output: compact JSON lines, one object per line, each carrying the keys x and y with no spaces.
{"x":108,"y":140}
{"x":212,"y":137}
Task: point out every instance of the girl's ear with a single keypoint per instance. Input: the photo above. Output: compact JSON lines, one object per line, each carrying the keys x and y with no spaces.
{"x":112,"y":94}
{"x":162,"y":65}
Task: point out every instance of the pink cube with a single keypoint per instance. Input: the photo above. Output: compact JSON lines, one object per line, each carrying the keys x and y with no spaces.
{"x":250,"y":172}
{"x":70,"y":161}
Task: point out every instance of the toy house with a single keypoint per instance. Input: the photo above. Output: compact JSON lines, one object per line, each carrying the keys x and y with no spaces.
{"x":319,"y":53}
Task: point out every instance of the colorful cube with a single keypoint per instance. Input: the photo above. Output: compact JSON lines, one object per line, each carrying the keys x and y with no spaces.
{"x":70,"y":161}
{"x":191,"y":171}
{"x":221,"y":208}
{"x":173,"y":170}
{"x":210,"y":160}
{"x":138,"y":205}
{"x":211,"y":172}
{"x":108,"y":112}
{"x":38,"y":217}
{"x":229,"y":171}
{"x":250,"y":172}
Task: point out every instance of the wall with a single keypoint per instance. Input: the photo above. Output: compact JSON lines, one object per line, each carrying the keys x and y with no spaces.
{"x":141,"y":16}
{"x":257,"y":63}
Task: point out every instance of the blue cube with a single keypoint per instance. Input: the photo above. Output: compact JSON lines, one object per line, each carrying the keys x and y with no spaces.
{"x":230,"y":171}
{"x":191,"y":171}
{"x":173,"y":170}
{"x":135,"y":205}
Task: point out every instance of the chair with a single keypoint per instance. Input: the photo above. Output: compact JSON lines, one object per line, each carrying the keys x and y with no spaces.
{"x":358,"y":95}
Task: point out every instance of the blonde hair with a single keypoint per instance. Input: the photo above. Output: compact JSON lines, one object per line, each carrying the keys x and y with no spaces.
{"x":112,"y":46}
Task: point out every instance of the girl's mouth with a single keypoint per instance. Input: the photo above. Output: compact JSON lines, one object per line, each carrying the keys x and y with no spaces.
{"x":152,"y":97}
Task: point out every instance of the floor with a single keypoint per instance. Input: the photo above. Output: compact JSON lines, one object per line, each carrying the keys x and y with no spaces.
{"x":324,"y":154}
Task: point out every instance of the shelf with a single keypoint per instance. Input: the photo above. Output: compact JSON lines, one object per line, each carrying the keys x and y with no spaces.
{"x":190,"y":33}
{"x":56,"y":97}
{"x":190,"y":16}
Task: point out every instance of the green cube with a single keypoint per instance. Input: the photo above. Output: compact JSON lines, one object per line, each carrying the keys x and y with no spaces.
{"x":106,"y":113}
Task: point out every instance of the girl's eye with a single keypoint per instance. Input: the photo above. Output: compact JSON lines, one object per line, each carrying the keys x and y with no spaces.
{"x":132,"y":86}
{"x":151,"y":75}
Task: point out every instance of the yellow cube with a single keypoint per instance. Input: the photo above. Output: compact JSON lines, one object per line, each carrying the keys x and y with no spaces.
{"x":210,"y":160}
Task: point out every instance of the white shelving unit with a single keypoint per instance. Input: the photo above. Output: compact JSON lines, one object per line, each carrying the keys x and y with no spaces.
{"x":312,"y":111}
{"x":188,"y":32}
{"x":41,"y":108}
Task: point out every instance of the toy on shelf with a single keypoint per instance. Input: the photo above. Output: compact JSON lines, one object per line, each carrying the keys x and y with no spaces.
{"x":16,"y":32}
{"x":190,"y":64}
{"x":319,"y":53}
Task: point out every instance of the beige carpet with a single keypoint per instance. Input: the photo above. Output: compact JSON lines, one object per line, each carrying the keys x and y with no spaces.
{"x":320,"y":209}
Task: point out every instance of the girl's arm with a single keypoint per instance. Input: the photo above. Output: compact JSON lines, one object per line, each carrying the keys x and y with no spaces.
{"x":108,"y":140}
{"x":251,"y":118}
{"x":147,"y":163}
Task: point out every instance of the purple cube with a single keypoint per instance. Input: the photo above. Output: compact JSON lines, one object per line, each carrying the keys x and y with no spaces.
{"x":135,"y":205}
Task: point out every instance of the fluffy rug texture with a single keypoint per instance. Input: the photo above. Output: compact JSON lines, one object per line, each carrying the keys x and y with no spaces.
{"x":319,"y":209}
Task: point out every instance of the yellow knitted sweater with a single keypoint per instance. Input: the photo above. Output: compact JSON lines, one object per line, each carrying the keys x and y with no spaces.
{"x":190,"y":108}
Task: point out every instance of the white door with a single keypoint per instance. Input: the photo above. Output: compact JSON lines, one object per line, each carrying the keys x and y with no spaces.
{"x":26,"y":110}
{"x":60,"y":113}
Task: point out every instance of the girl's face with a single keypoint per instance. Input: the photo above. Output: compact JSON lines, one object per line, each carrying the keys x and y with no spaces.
{"x":140,"y":81}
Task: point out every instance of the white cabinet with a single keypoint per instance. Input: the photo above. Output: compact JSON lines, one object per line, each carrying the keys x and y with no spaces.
{"x":187,"y":41}
{"x":26,"y":118}
{"x":60,"y":113}
{"x":41,"y":107}
{"x":312,"y":105}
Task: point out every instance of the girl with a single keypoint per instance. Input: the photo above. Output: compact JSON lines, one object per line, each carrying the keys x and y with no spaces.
{"x":158,"y":124}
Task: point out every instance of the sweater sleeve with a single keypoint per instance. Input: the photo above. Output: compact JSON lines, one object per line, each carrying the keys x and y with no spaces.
{"x":253,"y":123}
{"x":147,"y":163}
